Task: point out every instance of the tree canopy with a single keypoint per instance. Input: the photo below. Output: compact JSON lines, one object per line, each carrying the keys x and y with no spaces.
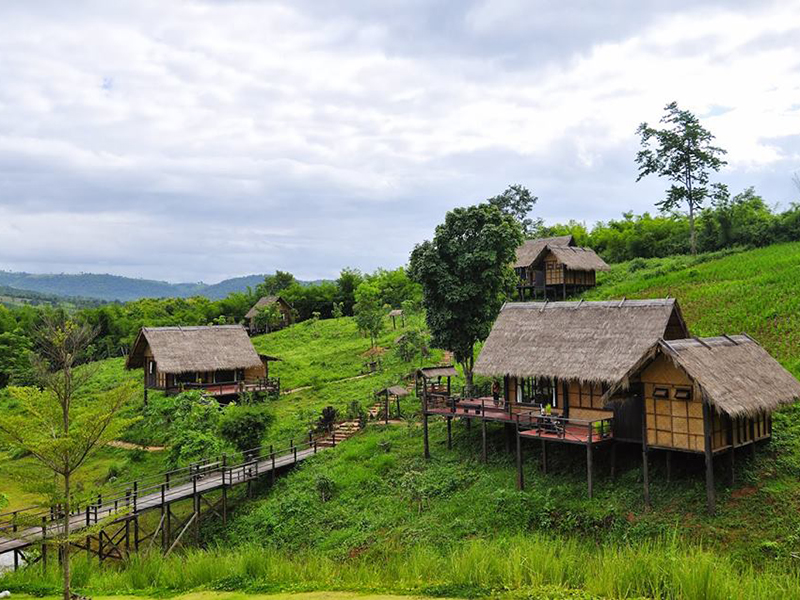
{"x":683,"y":153}
{"x":466,"y":275}
{"x":518,"y":201}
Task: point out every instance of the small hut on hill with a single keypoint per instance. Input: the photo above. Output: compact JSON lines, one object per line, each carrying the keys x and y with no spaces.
{"x":710,"y":396}
{"x":220,"y":360}
{"x":284,"y":308}
{"x":556,"y":267}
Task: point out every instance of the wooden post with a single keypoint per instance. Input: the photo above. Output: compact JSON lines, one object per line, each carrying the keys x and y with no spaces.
{"x":668,"y":460}
{"x":544,"y":456}
{"x":469,"y":424}
{"x":613,"y":460}
{"x":168,"y":527}
{"x":520,"y":476}
{"x":197,"y":517}
{"x":426,"y":446}
{"x":709,"y":455}
{"x":483,"y":440}
{"x":136,"y":532}
{"x":44,"y":544}
{"x":449,"y":433}
{"x":386,"y":409}
{"x":589,"y":465}
{"x":645,"y":465}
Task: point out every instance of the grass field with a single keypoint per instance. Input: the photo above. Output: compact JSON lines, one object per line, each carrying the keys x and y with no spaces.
{"x":373,"y":516}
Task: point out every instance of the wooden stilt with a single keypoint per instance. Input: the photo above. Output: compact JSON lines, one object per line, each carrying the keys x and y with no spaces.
{"x":731,"y":467}
{"x":449,"y":433}
{"x":520,"y":477}
{"x":613,"y":460}
{"x":544,"y":456}
{"x":484,"y":457}
{"x":427,"y":450}
{"x":589,"y":467}
{"x":224,"y":505}
{"x":469,"y":424}
{"x":668,"y":460}
{"x":136,"y":532}
{"x":711,"y":500}
{"x":197,"y":517}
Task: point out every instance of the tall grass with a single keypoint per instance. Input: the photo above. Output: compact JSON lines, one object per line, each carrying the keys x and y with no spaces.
{"x":662,"y":569}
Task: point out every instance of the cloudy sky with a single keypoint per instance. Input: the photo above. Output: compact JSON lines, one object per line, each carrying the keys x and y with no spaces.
{"x":200,"y":140}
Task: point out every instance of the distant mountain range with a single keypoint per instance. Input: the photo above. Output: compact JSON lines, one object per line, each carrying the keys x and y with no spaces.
{"x":116,"y":287}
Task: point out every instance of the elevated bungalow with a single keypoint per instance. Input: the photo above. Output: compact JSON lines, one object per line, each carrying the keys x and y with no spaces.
{"x":561,"y":358}
{"x":553,"y":267}
{"x":708,"y":396}
{"x":284,"y":308}
{"x":220,"y":361}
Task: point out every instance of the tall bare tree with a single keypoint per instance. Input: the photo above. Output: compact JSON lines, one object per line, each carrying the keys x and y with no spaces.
{"x":60,"y":423}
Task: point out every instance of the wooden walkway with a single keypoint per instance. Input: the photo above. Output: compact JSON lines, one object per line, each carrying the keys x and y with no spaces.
{"x":23,"y":529}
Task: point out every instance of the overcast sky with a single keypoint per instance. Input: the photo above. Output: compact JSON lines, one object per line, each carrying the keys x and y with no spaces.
{"x":201,"y":140}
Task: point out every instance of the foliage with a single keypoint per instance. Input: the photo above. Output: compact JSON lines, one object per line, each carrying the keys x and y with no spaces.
{"x":465,"y":277}
{"x":275,"y":284}
{"x":369,"y":310}
{"x":684,"y":154}
{"x":349,"y":279}
{"x":56,"y":425}
{"x":412,"y":345}
{"x":268,"y":317}
{"x":326,"y":420}
{"x":243,"y":426}
{"x":517,"y":201}
{"x":191,"y":422}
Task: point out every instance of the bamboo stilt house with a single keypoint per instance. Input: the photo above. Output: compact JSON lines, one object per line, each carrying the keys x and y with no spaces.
{"x":218,"y":360}
{"x":568,"y":354}
{"x":554,"y":267}
{"x":284,"y":308}
{"x":710,"y":396}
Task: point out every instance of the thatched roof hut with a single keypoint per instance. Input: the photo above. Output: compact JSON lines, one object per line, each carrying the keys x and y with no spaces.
{"x":575,"y":258}
{"x":179,"y":350}
{"x":530,"y":250}
{"x":444,"y":371}
{"x":266,"y":301}
{"x":736,"y":376}
{"x":592,"y":342}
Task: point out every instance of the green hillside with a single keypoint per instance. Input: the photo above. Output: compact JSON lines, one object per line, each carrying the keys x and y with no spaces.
{"x":373,"y":515}
{"x":755,"y":291}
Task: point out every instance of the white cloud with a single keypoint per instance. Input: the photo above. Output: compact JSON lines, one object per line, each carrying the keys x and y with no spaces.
{"x":293,"y":136}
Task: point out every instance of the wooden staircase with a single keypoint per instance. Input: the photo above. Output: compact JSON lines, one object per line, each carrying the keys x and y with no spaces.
{"x":341,"y":432}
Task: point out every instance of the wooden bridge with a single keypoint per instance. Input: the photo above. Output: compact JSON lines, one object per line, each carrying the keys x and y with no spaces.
{"x":111,"y":523}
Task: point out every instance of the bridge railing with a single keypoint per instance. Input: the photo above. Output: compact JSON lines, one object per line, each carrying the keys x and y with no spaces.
{"x":123,"y":499}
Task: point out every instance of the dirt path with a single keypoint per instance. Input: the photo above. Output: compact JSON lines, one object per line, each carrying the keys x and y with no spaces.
{"x":129,"y":446}
{"x":308,"y":387}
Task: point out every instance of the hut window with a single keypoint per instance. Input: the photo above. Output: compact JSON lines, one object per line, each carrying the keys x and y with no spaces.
{"x":683,"y":393}
{"x":661,"y":392}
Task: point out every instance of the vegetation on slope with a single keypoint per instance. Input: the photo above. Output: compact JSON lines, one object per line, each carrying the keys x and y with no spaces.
{"x":755,"y":291}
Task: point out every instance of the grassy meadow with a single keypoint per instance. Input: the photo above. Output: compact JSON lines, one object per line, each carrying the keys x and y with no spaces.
{"x":373,"y":517}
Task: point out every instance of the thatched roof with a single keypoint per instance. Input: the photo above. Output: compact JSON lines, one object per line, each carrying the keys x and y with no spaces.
{"x":596,"y":342}
{"x":262,"y":302}
{"x":444,"y":371}
{"x":530,"y":249}
{"x":395,"y":390}
{"x":397,"y":312}
{"x":187,"y":349}
{"x":577,"y":259}
{"x":736,"y":375}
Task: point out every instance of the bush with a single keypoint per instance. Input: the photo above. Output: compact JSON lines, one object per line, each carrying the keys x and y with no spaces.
{"x":243,"y":425}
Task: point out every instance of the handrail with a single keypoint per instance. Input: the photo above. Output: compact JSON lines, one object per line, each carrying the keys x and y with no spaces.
{"x":127,"y":494}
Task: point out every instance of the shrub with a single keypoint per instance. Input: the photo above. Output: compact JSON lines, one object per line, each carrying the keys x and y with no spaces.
{"x":243,"y":425}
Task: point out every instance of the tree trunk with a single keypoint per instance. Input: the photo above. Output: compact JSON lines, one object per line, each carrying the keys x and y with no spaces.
{"x":467,"y":365}
{"x":65,"y":551}
{"x":692,"y":236}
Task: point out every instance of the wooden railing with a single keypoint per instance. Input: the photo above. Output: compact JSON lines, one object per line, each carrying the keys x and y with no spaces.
{"x":594,"y":430}
{"x":34,"y":524}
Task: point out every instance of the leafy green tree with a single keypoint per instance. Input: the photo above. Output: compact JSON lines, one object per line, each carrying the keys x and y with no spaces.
{"x":243,"y":425}
{"x":274,"y":284}
{"x":466,"y":275}
{"x":268,"y":317}
{"x":349,"y":279}
{"x":683,"y":153}
{"x":518,"y":202}
{"x":369,"y":310}
{"x":58,"y":424}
